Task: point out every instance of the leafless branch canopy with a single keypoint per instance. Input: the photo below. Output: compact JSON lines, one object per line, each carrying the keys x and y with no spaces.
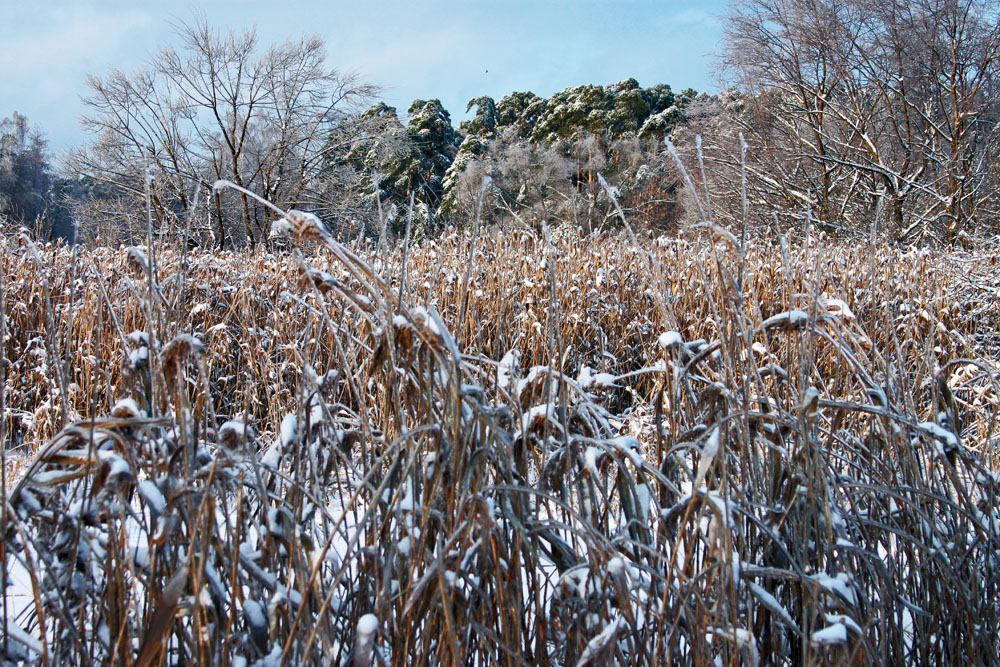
{"x":857,"y":107}
{"x":218,"y":106}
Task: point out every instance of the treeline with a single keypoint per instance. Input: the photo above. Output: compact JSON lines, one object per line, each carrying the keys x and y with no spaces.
{"x":541,"y":156}
{"x":31,"y":194}
{"x":275,"y":121}
{"x":865,"y":117}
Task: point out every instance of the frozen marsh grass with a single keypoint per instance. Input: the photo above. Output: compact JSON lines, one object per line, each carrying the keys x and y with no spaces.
{"x":542,"y":452}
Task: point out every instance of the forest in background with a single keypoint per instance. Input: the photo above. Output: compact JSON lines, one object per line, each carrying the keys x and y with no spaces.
{"x":863,"y":117}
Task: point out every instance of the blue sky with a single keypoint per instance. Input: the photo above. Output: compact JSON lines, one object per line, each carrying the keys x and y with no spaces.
{"x":419,"y":49}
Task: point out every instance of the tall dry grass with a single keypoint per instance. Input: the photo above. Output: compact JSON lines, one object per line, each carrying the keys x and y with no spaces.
{"x":514,"y":449}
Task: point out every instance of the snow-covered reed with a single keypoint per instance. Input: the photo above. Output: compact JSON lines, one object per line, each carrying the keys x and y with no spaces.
{"x":783,"y":452}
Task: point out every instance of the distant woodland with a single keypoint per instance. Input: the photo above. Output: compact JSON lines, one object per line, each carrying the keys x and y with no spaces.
{"x":872,"y":118}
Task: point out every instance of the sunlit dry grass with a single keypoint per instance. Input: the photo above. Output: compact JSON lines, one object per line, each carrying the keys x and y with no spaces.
{"x":586,"y":452}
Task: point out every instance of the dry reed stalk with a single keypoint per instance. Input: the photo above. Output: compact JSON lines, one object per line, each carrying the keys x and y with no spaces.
{"x":789,"y":449}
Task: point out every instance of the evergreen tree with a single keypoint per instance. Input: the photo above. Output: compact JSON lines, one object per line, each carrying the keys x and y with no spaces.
{"x":437,"y":142}
{"x":532,"y":148}
{"x":395,"y":160}
{"x":621,"y":110}
{"x":385,"y":157}
{"x":484,"y":123}
{"x":521,"y":111}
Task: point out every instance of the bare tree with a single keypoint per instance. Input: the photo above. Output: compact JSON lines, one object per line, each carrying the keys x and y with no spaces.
{"x":219,"y":106}
{"x":856,"y":107}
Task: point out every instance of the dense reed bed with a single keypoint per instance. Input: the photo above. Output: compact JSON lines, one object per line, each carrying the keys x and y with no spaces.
{"x":507,"y":448}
